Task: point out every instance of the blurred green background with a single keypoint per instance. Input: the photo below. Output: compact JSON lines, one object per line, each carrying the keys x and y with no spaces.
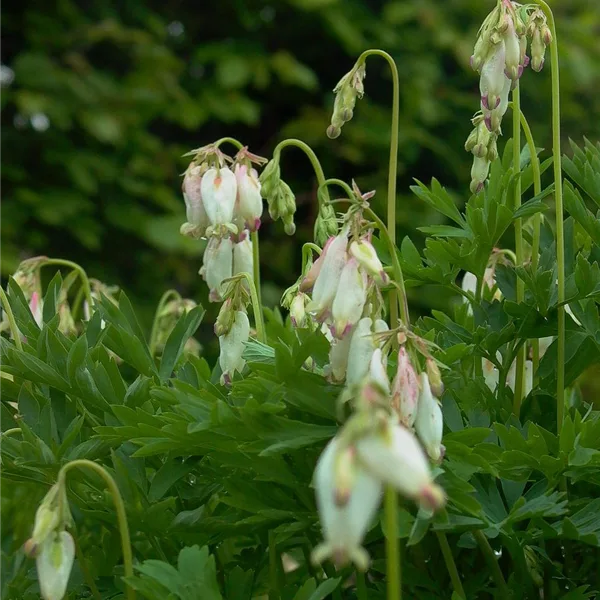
{"x":101,"y":99}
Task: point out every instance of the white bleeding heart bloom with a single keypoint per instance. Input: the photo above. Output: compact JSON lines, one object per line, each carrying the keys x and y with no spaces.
{"x":243,"y":261}
{"x":512,"y":55}
{"x":218,"y":265}
{"x":344,"y":524}
{"x":469,"y":284}
{"x":326,"y":284}
{"x":364,"y":252}
{"x":54,"y":562}
{"x":192,"y":194}
{"x":310,"y":278}
{"x":350,"y":298}
{"x":490,"y":373}
{"x":395,"y":457}
{"x":232,"y":346}
{"x":338,"y":357}
{"x":405,"y":390}
{"x":492,"y":78}
{"x":219,"y":193}
{"x":362,"y":346}
{"x":429,"y":423}
{"x":378,"y":371}
{"x":493,"y":118}
{"x":249,"y":205}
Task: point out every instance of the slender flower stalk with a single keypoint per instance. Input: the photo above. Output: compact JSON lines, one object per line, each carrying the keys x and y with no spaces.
{"x":537,"y":222}
{"x":392,"y":544}
{"x":520,"y":373}
{"x":490,"y":557}
{"x":450,"y":564}
{"x":85,"y":282}
{"x":560,"y":234}
{"x":119,"y":506}
{"x":256,"y":308}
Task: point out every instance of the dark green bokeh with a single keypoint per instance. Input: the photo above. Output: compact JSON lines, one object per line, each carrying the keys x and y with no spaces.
{"x":107,"y":96}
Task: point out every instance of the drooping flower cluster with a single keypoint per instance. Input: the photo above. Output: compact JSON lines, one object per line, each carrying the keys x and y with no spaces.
{"x":379,"y":443}
{"x":224,"y":205}
{"x":51,"y":545}
{"x":500,"y":57}
{"x":348,"y":89}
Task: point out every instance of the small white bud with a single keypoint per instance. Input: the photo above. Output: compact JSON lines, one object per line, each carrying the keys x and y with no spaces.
{"x":362,"y":346}
{"x":405,"y":390}
{"x":350,"y":298}
{"x":249,"y":205}
{"x":232,"y":346}
{"x":243,"y":261}
{"x":366,"y":255}
{"x":429,"y":423}
{"x":54,"y":563}
{"x":194,"y":207}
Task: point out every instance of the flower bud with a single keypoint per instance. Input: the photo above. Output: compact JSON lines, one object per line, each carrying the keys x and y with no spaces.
{"x":435,"y":377}
{"x":243,"y":261}
{"x":350,"y":298}
{"x":308,"y":282}
{"x":325,"y":224}
{"x":219,"y":193}
{"x":232,"y":345}
{"x":338,"y":358}
{"x":225,"y":318}
{"x":194,"y":207}
{"x":512,"y":62}
{"x":395,"y":457}
{"x":36,"y":306}
{"x":538,"y":50}
{"x":326,"y":283}
{"x":270,"y":177}
{"x":298,"y":310}
{"x":366,"y":255}
{"x":249,"y":206}
{"x":218,"y":265}
{"x":405,"y":390}
{"x":479,"y":173}
{"x":362,"y":346}
{"x":378,"y":372}
{"x":429,"y":423}
{"x":491,"y":375}
{"x":54,"y":563}
{"x":344,"y":524}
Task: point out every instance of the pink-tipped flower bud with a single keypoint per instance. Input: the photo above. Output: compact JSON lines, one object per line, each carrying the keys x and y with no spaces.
{"x":512,"y":47}
{"x":429,"y":423}
{"x":219,"y":193}
{"x":249,"y":205}
{"x":232,"y":345}
{"x":225,"y":318}
{"x":405,"y":390}
{"x":479,"y":173}
{"x":395,"y":457}
{"x":350,"y":298}
{"x":344,"y":525}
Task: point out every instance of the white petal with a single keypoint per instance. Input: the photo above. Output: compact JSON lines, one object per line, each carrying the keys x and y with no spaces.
{"x":218,"y":265}
{"x":219,"y":192}
{"x":232,"y":345}
{"x":195,"y":213}
{"x":338,"y":357}
{"x":344,"y":527}
{"x":54,"y":563}
{"x":242,"y":257}
{"x":249,"y":205}
{"x":429,"y":423}
{"x":362,"y":347}
{"x":350,"y":298}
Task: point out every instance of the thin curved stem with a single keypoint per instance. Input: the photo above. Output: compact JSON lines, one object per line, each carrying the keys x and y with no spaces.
{"x":229,"y":140}
{"x":14,"y":330}
{"x":537,"y":222}
{"x":166,"y":297}
{"x":392,"y":545}
{"x":9,"y":432}
{"x":85,"y":282}
{"x":560,"y":234}
{"x":490,"y":557}
{"x":256,"y":308}
{"x":314,"y":161}
{"x":119,"y":506}
{"x":256,"y":264}
{"x":519,"y":251}
{"x":450,"y":564}
{"x":393,"y":164}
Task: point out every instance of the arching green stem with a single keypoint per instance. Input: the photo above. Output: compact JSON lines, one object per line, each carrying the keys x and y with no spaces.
{"x":450,"y":564}
{"x":14,"y":330}
{"x":85,"y":282}
{"x":164,"y":299}
{"x":392,"y":544}
{"x":119,"y":506}
{"x":393,"y":164}
{"x":229,"y":140}
{"x":314,"y":161}
{"x":560,"y":234}
{"x":516,"y":122}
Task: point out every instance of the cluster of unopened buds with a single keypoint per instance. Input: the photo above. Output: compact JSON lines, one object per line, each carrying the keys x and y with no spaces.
{"x":52,"y":546}
{"x":500,"y":57}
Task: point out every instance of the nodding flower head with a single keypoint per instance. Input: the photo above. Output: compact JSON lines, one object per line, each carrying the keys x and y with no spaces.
{"x":349,"y":88}
{"x":217,"y":265}
{"x":197,"y":219}
{"x":219,"y":192}
{"x":350,"y":298}
{"x":249,"y":205}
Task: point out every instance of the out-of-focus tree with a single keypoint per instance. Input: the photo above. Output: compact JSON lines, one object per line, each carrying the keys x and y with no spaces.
{"x":100,"y":100}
